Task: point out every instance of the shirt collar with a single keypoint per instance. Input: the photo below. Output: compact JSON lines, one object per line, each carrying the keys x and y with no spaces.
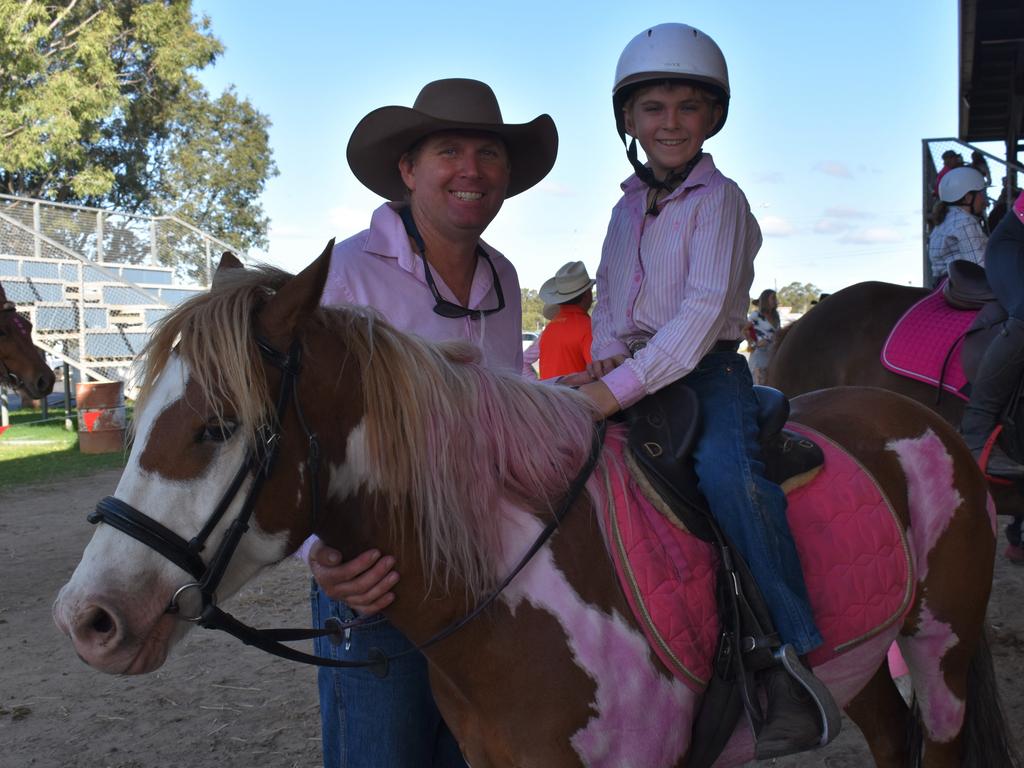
{"x":388,"y":238}
{"x":699,"y":176}
{"x":570,"y":309}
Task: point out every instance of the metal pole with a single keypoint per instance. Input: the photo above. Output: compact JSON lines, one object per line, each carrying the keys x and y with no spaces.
{"x":927,"y":173}
{"x":37,"y":227}
{"x":99,"y":236}
{"x":153,"y":249}
{"x":5,"y":414}
{"x":209,"y":263}
{"x":68,"y":427}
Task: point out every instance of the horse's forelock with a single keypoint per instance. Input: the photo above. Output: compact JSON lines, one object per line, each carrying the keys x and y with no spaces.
{"x":213,"y":335}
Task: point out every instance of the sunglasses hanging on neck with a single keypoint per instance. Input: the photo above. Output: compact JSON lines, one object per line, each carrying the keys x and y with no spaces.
{"x":442,"y":306}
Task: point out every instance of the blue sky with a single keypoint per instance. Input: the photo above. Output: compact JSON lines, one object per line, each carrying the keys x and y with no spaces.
{"x":830,"y":103}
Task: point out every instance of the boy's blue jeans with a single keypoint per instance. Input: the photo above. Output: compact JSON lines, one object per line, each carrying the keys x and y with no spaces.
{"x":370,"y":722}
{"x":750,"y":508}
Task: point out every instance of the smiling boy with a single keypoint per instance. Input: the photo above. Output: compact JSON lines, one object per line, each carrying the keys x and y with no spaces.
{"x":673,"y":290}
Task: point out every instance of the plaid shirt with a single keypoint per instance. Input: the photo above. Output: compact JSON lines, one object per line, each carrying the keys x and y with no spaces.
{"x":959,"y":236}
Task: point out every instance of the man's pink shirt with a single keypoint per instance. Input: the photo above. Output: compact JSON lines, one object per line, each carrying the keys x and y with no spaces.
{"x":379,"y":268}
{"x":679,"y":280}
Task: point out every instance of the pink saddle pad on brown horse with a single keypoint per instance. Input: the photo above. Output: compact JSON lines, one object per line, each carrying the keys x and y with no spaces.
{"x":925,"y":343}
{"x":856,"y":560}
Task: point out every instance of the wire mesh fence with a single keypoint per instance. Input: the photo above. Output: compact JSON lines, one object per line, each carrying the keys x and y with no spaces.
{"x":94,"y":282}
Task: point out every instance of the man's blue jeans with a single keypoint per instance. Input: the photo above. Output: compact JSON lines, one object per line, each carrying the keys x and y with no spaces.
{"x":750,"y":508}
{"x":371,"y":722}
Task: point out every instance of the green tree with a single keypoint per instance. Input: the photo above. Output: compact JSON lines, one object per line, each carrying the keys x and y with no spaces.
{"x":798,"y":296}
{"x":100,"y":105}
{"x":533,"y":307}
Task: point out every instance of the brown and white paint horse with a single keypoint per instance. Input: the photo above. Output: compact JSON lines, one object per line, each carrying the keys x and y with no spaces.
{"x":22,"y":365}
{"x":455,"y":469}
{"x":839,"y":343}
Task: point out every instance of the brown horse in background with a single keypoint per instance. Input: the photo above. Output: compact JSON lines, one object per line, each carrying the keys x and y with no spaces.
{"x":839,"y":343}
{"x":22,"y":366}
{"x":457,"y":469}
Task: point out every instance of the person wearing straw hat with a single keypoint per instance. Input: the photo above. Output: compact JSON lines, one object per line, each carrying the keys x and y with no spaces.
{"x":445,"y":166}
{"x":565,"y":342}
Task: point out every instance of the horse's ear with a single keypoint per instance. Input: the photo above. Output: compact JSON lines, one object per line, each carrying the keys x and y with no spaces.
{"x":298,"y":297}
{"x":228,"y":260}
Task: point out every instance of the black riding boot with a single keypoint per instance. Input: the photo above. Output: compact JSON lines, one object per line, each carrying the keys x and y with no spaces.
{"x":801,"y":713}
{"x":998,"y":375}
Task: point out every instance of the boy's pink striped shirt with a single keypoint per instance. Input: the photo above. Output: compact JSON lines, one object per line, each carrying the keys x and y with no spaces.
{"x":679,"y":280}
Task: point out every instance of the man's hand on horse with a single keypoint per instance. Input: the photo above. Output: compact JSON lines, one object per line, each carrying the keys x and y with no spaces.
{"x":363,"y":583}
{"x":603,"y":367}
{"x":575,"y":379}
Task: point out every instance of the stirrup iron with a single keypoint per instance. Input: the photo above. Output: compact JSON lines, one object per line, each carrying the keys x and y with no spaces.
{"x":831,"y":719}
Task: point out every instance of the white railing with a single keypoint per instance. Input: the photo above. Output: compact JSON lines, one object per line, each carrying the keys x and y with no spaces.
{"x":93,"y":282}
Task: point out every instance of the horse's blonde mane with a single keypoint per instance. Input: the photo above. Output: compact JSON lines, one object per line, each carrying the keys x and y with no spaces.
{"x":448,"y":439}
{"x":451,"y":439}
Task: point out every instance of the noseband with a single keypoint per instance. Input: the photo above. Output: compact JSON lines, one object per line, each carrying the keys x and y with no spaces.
{"x":259,"y":463}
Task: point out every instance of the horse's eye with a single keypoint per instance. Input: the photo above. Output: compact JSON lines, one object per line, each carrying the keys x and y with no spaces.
{"x":217,"y":431}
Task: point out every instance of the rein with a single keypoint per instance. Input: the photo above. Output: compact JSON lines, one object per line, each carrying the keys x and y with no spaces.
{"x":260,"y":461}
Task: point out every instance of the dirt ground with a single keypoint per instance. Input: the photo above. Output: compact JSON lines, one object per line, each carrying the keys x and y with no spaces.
{"x":218,"y":703}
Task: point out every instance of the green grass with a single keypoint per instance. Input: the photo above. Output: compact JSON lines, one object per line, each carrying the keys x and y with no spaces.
{"x":33,"y":452}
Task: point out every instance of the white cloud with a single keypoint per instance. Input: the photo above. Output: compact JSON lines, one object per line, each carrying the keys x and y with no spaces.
{"x":872,"y":235}
{"x":830,"y":226}
{"x":775,"y":226}
{"x":839,"y":170}
{"x":769,"y":177}
{"x":847,"y":213}
{"x":555,"y":188}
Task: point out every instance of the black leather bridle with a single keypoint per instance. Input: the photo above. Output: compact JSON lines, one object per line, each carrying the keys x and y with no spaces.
{"x":259,"y":463}
{"x":6,"y":374}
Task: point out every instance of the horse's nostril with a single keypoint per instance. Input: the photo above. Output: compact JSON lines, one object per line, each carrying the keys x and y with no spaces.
{"x":102,"y":622}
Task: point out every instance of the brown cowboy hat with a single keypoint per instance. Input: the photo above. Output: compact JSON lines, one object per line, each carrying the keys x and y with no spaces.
{"x":383,"y":136}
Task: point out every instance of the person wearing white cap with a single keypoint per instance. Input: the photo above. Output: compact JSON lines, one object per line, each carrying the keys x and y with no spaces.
{"x":958,"y":233}
{"x":565,"y":342}
{"x":672,"y":295}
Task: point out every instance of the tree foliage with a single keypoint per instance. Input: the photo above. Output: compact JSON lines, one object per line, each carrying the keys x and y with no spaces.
{"x":798,"y":296}
{"x":533,"y":306}
{"x":100,"y":105}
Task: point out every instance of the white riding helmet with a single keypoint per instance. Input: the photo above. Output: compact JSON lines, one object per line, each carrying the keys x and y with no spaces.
{"x":675,"y":52}
{"x":957,"y":182}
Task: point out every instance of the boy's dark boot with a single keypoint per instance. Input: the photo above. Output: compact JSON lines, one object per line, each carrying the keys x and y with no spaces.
{"x":998,"y":375}
{"x":801,"y":713}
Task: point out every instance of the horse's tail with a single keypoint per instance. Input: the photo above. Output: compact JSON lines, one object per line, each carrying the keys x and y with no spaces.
{"x":986,"y":734}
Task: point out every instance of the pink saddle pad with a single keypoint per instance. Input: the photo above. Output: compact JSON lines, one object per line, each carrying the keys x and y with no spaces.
{"x":925,"y":343}
{"x":854,"y":552}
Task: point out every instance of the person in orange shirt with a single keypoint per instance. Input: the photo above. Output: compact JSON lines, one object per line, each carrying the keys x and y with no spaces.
{"x":565,"y":342}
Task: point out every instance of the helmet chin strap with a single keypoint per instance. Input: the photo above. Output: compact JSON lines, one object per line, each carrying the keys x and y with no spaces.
{"x":646,"y":175}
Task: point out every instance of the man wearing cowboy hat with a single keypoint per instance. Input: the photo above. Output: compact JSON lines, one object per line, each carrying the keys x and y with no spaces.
{"x":565,"y":342}
{"x":446,"y":166}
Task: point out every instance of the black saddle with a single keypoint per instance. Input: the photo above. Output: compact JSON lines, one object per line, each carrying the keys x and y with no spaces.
{"x":664,"y":427}
{"x":967,"y":286}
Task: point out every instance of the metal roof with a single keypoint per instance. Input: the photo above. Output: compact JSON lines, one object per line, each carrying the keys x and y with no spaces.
{"x":991,"y":69}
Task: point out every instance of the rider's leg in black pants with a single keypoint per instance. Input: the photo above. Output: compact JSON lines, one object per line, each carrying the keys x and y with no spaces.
{"x":1002,"y":365}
